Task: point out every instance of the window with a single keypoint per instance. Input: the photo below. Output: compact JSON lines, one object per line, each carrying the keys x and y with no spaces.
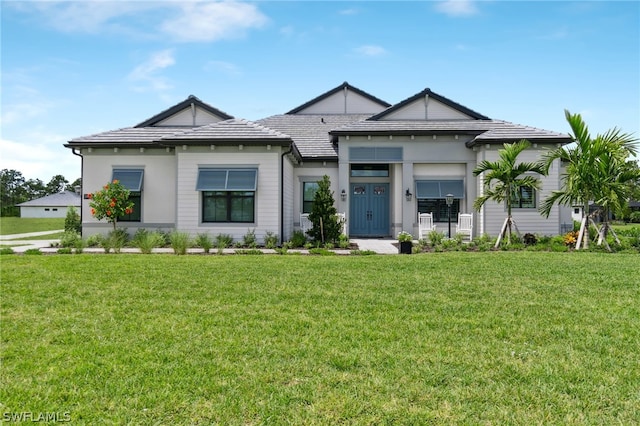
{"x":370,"y":170}
{"x":524,"y":199}
{"x":132,"y":180}
{"x":228,"y":206}
{"x":438,"y":207}
{"x":228,"y":195}
{"x":308,"y":194}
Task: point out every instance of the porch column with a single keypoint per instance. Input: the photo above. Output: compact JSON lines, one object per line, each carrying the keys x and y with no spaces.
{"x":409,"y":221}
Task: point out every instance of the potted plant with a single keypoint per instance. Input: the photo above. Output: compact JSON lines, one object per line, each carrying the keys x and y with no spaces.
{"x":406,"y":242}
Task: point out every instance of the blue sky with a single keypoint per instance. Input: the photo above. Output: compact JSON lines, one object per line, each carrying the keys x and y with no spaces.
{"x":71,"y":69}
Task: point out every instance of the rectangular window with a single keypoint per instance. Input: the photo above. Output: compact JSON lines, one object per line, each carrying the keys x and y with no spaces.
{"x":135,"y":215}
{"x":228,"y":195}
{"x":438,"y":207}
{"x":524,"y":199}
{"x":132,"y":180}
{"x":228,"y":206}
{"x":370,"y":170}
{"x":308,"y":193}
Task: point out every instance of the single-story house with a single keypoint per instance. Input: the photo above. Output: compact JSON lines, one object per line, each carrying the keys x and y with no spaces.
{"x":54,"y":205}
{"x":195,"y":168}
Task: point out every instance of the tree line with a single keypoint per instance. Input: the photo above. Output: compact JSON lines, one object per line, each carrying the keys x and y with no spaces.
{"x":16,"y":189}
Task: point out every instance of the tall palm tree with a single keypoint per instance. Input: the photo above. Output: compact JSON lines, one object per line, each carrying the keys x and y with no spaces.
{"x":509,"y":177}
{"x":596,"y":170}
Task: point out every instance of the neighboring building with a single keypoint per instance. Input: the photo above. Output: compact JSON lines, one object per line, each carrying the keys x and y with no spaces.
{"x":54,"y":205}
{"x":195,"y":168}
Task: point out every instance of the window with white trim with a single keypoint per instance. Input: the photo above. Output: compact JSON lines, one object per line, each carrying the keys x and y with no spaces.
{"x":228,"y":195}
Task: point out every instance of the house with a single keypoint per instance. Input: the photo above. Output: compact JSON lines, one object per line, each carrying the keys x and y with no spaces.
{"x":195,"y":168}
{"x":54,"y":205}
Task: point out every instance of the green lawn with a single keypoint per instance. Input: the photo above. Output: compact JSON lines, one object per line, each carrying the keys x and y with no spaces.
{"x":442,"y":338}
{"x":19,"y":225}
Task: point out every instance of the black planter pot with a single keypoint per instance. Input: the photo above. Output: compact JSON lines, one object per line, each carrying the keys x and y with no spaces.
{"x":406,"y":247}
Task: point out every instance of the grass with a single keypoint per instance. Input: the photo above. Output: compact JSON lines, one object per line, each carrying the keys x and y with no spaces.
{"x":441,"y":338}
{"x":20,"y":225}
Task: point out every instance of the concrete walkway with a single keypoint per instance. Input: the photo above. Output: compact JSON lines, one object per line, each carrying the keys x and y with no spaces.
{"x":384,"y":246}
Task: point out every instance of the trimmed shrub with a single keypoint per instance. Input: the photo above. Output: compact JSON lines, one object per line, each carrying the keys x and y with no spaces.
{"x":204,"y":241}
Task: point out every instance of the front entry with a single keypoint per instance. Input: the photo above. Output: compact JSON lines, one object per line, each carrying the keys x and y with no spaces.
{"x":369,"y":210}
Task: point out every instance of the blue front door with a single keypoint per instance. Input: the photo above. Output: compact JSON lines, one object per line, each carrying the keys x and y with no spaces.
{"x":369,"y":210}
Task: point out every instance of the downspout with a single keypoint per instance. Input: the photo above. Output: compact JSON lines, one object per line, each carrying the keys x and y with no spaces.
{"x":73,"y":150}
{"x":289,"y":151}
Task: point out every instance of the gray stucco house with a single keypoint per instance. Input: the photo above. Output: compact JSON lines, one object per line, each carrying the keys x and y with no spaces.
{"x":195,"y":168}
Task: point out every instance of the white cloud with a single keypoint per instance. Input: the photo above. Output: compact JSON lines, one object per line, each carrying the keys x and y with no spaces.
{"x":213,"y":21}
{"x":223,"y":67}
{"x":40,"y":160}
{"x":146,"y":75}
{"x":370,"y":50}
{"x":457,"y":7}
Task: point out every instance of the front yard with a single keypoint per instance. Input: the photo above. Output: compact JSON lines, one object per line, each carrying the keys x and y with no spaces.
{"x":438,"y":338}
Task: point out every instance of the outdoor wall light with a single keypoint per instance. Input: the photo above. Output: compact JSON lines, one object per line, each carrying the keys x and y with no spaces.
{"x":343,"y":195}
{"x":408,"y":195}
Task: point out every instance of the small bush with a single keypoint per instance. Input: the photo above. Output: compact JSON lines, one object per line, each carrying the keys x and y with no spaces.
{"x":321,"y":251}
{"x":249,"y":239}
{"x":204,"y":241}
{"x":179,"y":242}
{"x":72,"y":222}
{"x":343,"y":241}
{"x":298,"y":239}
{"x":363,"y":252}
{"x":70,"y":239}
{"x":250,"y":251}
{"x":529,"y":239}
{"x":223,"y":241}
{"x":33,"y":251}
{"x":270,"y":240}
{"x":65,"y":250}
{"x":94,"y":240}
{"x":6,"y":250}
{"x":634,"y":217}
{"x":436,"y":238}
{"x":147,"y":241}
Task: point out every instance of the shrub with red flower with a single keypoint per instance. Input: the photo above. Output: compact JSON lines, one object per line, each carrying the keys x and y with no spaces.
{"x":111,"y":202}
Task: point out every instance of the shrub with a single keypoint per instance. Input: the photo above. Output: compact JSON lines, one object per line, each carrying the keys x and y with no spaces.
{"x":94,"y":240}
{"x":179,"y":242}
{"x":65,"y":250}
{"x":363,"y":252}
{"x":343,"y":241}
{"x":529,"y":239}
{"x":72,"y":222}
{"x":204,"y":241}
{"x":111,"y":202}
{"x":436,"y":238}
{"x":69,"y":239}
{"x":298,"y":239}
{"x":223,"y":241}
{"x":634,"y":217}
{"x":321,"y":251}
{"x":250,"y":251}
{"x":6,"y":250}
{"x":323,"y":216}
{"x":147,"y":241}
{"x":33,"y":251}
{"x":115,"y":240}
{"x":270,"y":240}
{"x":249,"y":239}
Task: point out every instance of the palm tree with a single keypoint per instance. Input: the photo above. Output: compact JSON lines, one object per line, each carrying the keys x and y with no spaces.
{"x":596,"y":170}
{"x":509,"y":178}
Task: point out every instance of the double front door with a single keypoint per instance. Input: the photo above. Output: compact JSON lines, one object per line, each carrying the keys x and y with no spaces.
{"x":369,"y":210}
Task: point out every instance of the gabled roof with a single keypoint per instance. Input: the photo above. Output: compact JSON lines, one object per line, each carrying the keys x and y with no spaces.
{"x":427,"y":92}
{"x":340,"y":88}
{"x":310,"y":132}
{"x":229,"y":131}
{"x":61,"y":199}
{"x":181,"y":106}
{"x":128,"y":136}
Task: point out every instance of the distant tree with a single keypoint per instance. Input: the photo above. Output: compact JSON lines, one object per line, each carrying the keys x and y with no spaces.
{"x":503,"y":180}
{"x":12,"y":192}
{"x":323,"y":216}
{"x":75,"y":183}
{"x":35,"y":188}
{"x":57,"y":184}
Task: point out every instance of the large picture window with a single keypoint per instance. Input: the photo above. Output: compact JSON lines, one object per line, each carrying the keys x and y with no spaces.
{"x":431,"y":196}
{"x":228,"y":206}
{"x":438,"y":207}
{"x":228,"y":195}
{"x":525,"y":199}
{"x":131,"y":179}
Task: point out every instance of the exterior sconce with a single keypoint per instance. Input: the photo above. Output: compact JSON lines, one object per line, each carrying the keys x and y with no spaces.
{"x":408,"y":195}
{"x":343,"y":195}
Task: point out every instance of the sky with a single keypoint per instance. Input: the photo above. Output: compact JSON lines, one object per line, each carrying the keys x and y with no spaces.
{"x":70,"y":69}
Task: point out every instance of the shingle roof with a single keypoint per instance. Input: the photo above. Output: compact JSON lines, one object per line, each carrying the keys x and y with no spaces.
{"x":484,"y":131}
{"x":343,"y":86}
{"x":311,"y":132}
{"x":128,"y":136}
{"x":61,"y":199}
{"x":179,"y":107}
{"x":234,"y":130}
